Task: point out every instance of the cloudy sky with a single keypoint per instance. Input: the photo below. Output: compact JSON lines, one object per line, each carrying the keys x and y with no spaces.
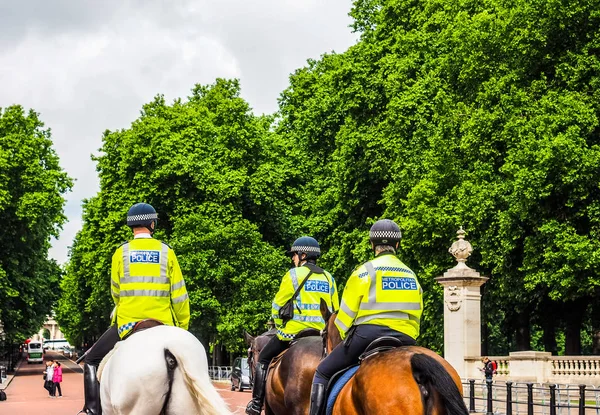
{"x":87,"y":66}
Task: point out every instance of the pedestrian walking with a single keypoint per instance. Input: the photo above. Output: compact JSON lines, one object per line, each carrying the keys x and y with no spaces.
{"x":488,"y":369}
{"x":57,"y":379}
{"x":49,"y":384}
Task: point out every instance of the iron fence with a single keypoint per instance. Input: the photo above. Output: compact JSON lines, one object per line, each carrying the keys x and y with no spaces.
{"x":530,"y":398}
{"x":9,"y":355}
{"x":219,"y":372}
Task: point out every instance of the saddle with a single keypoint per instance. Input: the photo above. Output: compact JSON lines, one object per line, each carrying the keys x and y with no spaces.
{"x":380,"y":345}
{"x":143,"y":325}
{"x":304,"y":333}
{"x":339,"y":380}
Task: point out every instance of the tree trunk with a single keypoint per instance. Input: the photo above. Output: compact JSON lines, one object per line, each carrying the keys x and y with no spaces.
{"x":595,"y":326}
{"x":550,"y":344}
{"x":523,"y":332}
{"x":574,"y":311}
{"x":548,"y":322}
{"x":484,"y":343}
{"x":596,"y":342}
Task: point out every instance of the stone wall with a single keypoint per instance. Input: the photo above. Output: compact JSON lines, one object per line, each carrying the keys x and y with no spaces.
{"x":540,"y":367}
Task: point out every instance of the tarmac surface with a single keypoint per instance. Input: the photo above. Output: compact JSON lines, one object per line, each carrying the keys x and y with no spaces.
{"x":26,"y":394}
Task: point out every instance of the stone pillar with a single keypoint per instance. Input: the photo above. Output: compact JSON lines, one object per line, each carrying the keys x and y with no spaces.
{"x":462,"y":312}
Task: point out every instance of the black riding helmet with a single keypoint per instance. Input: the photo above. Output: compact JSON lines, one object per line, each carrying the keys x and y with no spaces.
{"x":305,"y":245}
{"x":142,"y":214}
{"x":385,"y":232}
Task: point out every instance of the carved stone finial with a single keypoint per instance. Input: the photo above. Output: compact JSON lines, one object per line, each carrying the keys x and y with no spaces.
{"x":461,"y":249}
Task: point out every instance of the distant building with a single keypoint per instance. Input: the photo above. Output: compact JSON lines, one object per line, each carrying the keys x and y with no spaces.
{"x":52,"y":326}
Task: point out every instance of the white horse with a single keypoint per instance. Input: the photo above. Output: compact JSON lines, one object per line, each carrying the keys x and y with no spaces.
{"x":159,"y":371}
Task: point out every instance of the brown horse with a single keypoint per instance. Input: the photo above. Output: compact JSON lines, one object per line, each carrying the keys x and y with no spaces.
{"x":405,"y":380}
{"x":290,"y":379}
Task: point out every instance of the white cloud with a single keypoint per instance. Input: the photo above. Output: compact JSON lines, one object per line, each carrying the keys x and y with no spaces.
{"x":90,"y":66}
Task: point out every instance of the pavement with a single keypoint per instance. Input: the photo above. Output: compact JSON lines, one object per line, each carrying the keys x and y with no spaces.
{"x":26,"y":394}
{"x":237,"y":401}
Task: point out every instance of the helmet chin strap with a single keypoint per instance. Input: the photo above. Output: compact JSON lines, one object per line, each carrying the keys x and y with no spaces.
{"x":152,"y":227}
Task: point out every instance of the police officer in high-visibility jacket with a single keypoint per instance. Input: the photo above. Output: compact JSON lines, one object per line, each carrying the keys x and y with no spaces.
{"x":146,"y":283}
{"x":319,"y":285}
{"x":382,"y":298}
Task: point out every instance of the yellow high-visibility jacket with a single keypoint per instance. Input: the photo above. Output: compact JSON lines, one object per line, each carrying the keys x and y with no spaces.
{"x":307,"y":312}
{"x":384,"y":292}
{"x":146,"y":282}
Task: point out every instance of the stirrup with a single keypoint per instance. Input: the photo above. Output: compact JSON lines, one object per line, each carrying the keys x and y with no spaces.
{"x":252,"y":409}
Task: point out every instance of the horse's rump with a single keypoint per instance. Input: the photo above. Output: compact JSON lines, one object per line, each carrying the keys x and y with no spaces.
{"x":159,"y":370}
{"x":406,"y":380}
{"x":293,"y":373}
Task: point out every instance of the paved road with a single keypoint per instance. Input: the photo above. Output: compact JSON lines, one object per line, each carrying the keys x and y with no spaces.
{"x":27,"y":396}
{"x":237,"y":401}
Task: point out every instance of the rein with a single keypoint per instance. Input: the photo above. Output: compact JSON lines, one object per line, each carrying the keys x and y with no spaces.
{"x":251,"y":364}
{"x":324,"y":335}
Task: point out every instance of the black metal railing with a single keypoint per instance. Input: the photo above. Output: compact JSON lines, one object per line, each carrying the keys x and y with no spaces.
{"x":519,"y":398}
{"x":9,"y":355}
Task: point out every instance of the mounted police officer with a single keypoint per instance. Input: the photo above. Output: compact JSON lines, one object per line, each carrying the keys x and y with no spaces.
{"x":146,"y":283}
{"x":313,"y":284}
{"x":382,"y":298}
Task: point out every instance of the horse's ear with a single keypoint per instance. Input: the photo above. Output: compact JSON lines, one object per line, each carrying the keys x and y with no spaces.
{"x":249,"y":339}
{"x":325,"y":310}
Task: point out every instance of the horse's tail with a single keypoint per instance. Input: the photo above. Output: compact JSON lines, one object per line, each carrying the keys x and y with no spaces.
{"x":207,"y":399}
{"x":430,"y":373}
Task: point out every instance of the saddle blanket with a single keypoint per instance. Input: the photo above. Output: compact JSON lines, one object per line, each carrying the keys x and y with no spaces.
{"x":105,"y":361}
{"x":337,"y":387}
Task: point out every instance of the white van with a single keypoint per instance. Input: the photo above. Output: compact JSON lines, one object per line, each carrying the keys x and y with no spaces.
{"x":35,"y":353}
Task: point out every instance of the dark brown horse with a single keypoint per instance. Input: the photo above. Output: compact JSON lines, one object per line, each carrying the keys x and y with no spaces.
{"x":403,"y":381}
{"x":290,"y":379}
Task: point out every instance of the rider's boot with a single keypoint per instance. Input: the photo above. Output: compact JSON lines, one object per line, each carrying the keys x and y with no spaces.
{"x":317,"y":399}
{"x":91,"y":390}
{"x":258,"y":392}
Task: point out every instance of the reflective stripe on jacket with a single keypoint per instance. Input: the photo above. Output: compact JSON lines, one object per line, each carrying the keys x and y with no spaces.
{"x":393,"y":298}
{"x":146,"y":282}
{"x":307,"y":312}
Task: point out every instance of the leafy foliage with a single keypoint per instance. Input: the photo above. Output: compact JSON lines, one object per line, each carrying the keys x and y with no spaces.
{"x":31,"y":211}
{"x":483,"y":114}
{"x":207,"y":166}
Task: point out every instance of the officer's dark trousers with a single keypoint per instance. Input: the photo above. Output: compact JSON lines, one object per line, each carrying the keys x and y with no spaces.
{"x":272,"y":349}
{"x":101,"y":348}
{"x":346,"y":353}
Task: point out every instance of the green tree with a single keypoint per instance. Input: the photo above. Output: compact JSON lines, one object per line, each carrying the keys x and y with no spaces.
{"x":482,"y":114}
{"x":31,"y":211}
{"x":211,"y":169}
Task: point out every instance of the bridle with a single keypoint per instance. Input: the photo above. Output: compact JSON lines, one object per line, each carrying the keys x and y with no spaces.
{"x":324,"y":336}
{"x":251,"y":363}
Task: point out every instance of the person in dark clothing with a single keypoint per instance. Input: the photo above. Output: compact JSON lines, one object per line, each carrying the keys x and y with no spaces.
{"x":488,"y":369}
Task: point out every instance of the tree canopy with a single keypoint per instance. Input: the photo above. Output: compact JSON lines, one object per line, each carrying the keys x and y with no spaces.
{"x":31,"y":211}
{"x":209,"y":167}
{"x":483,"y":114}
